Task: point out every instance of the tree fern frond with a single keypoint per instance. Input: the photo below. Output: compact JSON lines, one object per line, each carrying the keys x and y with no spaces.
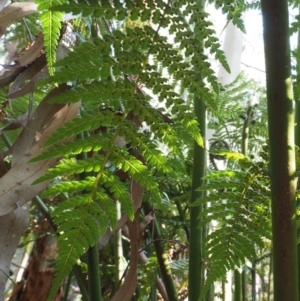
{"x":137,"y":170}
{"x":104,"y":90}
{"x":148,"y":150}
{"x":84,"y":123}
{"x":71,"y":186}
{"x":119,"y":191}
{"x":70,"y":167}
{"x":76,"y":147}
{"x":51,"y":22}
{"x":77,"y":232}
{"x":234,"y":10}
{"x":242,"y":210}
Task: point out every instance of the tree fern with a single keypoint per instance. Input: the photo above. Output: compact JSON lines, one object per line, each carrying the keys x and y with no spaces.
{"x":135,"y":78}
{"x":240,"y":201}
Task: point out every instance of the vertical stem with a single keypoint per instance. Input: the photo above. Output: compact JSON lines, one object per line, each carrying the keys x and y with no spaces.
{"x":282,"y":149}
{"x":195,"y":242}
{"x":270,"y":279}
{"x":246,"y":128}
{"x":162,"y":258}
{"x":67,"y":287}
{"x":92,"y":255}
{"x":245,"y":145}
{"x":253,"y":280}
{"x":237,"y":286}
{"x":244,"y":285}
{"x":118,"y":249}
{"x":81,"y":281}
{"x":93,"y":272}
{"x":223,"y":290}
{"x":195,"y":278}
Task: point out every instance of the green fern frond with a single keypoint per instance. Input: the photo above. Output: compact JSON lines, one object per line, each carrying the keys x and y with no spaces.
{"x":234,"y":10}
{"x":148,"y":150}
{"x":119,"y":191}
{"x":77,"y":232}
{"x":85,"y":123}
{"x":51,"y":22}
{"x":240,"y":201}
{"x":96,"y":91}
{"x":76,"y":147}
{"x":91,"y":7}
{"x":70,"y":186}
{"x":136,"y":169}
{"x":70,"y":167}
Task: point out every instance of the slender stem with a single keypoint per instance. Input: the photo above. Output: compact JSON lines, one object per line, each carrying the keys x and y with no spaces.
{"x":6,"y":140}
{"x":93,"y":272}
{"x":162,"y":258}
{"x":195,"y":277}
{"x":244,"y":285}
{"x":237,"y":285}
{"x":253,"y":280}
{"x":81,"y":281}
{"x":67,"y":287}
{"x":195,"y":242}
{"x":92,"y":256}
{"x":45,"y":210}
{"x":118,"y":249}
{"x":245,"y":133}
{"x":270,"y":279}
{"x":182,"y":218}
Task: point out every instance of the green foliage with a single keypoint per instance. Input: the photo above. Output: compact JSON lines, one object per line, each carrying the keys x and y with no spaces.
{"x":80,"y":230}
{"x":51,"y":22}
{"x":131,"y":81}
{"x":229,"y":119}
{"x":239,"y":200}
{"x":234,"y":10}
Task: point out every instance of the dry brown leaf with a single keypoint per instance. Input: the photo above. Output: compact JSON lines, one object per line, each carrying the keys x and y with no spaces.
{"x":32,"y":53}
{"x":20,"y":121}
{"x":9,"y":76}
{"x":15,"y":186}
{"x":27,"y":74}
{"x":16,"y":11}
{"x":128,"y":288}
{"x":147,"y":220}
{"x":31,"y":85}
{"x":19,"y":73}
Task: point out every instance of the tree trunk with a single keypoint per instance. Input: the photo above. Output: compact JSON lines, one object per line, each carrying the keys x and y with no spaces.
{"x":282,"y":148}
{"x":297,"y":136}
{"x":39,"y":274}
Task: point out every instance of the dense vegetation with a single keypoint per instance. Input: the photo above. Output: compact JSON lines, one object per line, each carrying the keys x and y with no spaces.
{"x":104,"y":119}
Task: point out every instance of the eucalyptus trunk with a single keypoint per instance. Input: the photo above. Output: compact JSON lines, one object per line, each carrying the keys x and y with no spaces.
{"x":282,"y":148}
